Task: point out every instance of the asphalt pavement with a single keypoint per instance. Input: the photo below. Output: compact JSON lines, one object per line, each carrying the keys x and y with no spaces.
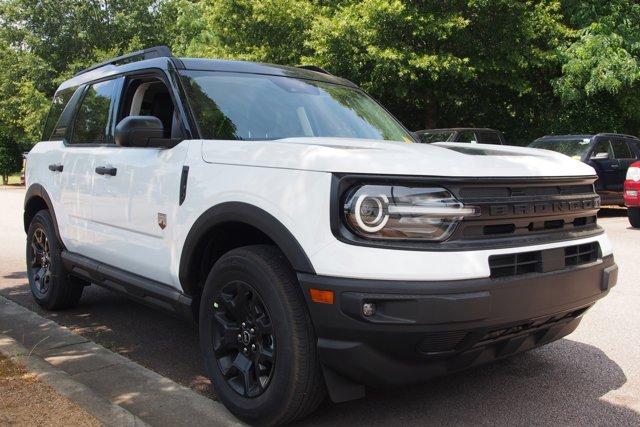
{"x":592,"y":377}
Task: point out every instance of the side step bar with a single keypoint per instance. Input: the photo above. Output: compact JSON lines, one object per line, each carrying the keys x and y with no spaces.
{"x":139,"y":288}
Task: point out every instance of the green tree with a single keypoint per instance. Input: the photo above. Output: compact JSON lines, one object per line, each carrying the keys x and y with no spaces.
{"x":10,"y":159}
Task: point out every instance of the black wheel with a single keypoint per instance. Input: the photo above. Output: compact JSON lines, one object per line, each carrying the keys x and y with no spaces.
{"x":257,"y":338}
{"x":634,"y":216}
{"x":51,"y":285}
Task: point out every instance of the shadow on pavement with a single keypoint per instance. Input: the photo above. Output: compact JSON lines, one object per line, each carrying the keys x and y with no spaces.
{"x":562,"y":383}
{"x":16,"y":275}
{"x":611,"y":212}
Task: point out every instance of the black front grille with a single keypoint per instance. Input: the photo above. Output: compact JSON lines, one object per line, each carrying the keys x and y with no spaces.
{"x":525,"y":210}
{"x":543,"y":261}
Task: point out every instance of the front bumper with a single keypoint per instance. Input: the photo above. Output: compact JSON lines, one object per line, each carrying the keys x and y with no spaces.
{"x":425,"y":329}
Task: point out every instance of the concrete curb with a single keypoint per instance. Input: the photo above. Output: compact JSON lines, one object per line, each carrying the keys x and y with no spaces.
{"x":111,"y":387}
{"x":103,"y":410}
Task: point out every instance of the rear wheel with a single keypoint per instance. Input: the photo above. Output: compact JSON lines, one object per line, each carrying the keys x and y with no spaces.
{"x":51,"y":286}
{"x":257,"y":338}
{"x":634,"y":216}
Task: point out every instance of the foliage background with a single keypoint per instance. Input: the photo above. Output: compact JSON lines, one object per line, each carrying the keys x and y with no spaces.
{"x":528,"y":68}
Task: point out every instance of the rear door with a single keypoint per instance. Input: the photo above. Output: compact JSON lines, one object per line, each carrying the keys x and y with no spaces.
{"x":86,"y":133}
{"x":625,"y":156}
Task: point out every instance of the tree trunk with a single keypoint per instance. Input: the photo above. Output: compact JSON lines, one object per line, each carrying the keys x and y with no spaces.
{"x":5,"y":179}
{"x":431,"y":115}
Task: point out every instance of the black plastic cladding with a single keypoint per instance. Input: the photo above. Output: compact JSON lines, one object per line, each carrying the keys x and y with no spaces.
{"x":341,"y":183}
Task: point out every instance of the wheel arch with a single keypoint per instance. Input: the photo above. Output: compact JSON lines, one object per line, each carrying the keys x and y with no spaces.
{"x":256,"y":226}
{"x":35,"y":200}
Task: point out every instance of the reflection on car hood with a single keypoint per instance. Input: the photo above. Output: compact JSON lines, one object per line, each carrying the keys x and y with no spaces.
{"x":394,"y":158}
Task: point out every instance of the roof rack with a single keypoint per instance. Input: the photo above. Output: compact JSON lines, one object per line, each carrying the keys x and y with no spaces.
{"x":314,"y":68}
{"x":149,"y":53}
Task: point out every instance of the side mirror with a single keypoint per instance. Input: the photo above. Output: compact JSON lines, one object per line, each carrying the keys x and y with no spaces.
{"x":138,"y":131}
{"x":600,"y":156}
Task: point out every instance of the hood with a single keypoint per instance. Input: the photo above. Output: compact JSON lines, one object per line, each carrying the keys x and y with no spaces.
{"x":394,"y":158}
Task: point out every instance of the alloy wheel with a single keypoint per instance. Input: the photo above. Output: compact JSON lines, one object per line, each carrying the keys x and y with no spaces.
{"x":243,"y":341}
{"x":40,"y":260}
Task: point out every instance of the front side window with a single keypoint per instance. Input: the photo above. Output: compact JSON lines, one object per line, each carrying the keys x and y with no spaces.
{"x":468,"y":137}
{"x":92,"y":119}
{"x":489,"y":138}
{"x":621,"y":149}
{"x":430,"y":137}
{"x":235,"y":106}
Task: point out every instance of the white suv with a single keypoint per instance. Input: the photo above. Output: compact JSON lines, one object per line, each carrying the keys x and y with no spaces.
{"x":316,"y":244}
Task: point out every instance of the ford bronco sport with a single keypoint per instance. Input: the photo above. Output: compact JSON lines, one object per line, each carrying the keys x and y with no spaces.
{"x":318,"y":246}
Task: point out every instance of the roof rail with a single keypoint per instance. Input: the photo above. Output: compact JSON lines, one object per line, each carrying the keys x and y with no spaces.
{"x":149,"y":53}
{"x":617,"y":134}
{"x":314,"y":68}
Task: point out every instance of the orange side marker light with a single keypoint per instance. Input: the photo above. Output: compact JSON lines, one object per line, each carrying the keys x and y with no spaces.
{"x":321,"y":297}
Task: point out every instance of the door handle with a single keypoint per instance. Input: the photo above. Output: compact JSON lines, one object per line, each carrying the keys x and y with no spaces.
{"x":103,"y":170}
{"x":56,"y":168}
{"x":615,"y":166}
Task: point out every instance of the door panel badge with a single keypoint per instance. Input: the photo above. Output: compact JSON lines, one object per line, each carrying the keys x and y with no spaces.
{"x":162,"y":220}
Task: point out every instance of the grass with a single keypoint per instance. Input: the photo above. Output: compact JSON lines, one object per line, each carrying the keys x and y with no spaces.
{"x":13,"y":180}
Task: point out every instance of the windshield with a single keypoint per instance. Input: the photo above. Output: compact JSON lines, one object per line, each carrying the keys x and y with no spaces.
{"x":253,"y":107}
{"x":575,"y":148}
{"x":429,"y":137}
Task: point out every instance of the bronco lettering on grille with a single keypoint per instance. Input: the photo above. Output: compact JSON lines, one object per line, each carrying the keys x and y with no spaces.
{"x":542,"y":208}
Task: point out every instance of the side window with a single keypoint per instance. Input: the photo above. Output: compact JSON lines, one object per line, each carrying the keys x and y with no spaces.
{"x":467,"y":137}
{"x":635,"y":148}
{"x":149,"y":96}
{"x":621,"y":149}
{"x":489,"y":138}
{"x":58,"y":104}
{"x":603,"y":146}
{"x":91,"y":124}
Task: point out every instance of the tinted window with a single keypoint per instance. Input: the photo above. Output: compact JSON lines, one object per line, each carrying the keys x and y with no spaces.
{"x":603,"y":146}
{"x":92,"y":118}
{"x":621,"y":149}
{"x":260,"y":107}
{"x":467,"y":137}
{"x":635,"y":148}
{"x":429,"y":137}
{"x":58,"y":104}
{"x":575,"y":148}
{"x":489,"y":138}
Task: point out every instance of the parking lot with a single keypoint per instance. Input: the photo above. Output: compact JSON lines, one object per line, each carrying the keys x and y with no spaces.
{"x":591,"y":377}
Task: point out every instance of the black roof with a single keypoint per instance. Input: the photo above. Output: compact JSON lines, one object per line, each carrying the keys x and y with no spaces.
{"x":160,"y":57}
{"x":589,"y":136}
{"x":457,"y":130}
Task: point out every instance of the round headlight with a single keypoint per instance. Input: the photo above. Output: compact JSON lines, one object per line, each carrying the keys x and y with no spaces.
{"x":371,"y":213}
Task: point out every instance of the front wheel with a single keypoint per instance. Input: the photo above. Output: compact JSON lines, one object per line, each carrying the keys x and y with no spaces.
{"x":634,"y":216}
{"x":257,"y":338}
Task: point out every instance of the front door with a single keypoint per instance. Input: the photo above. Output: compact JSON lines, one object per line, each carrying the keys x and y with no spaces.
{"x":603,"y":160}
{"x":136,"y":193}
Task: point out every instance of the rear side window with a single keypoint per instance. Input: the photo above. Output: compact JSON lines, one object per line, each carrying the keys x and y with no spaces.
{"x":60,"y":101}
{"x":91,"y":124}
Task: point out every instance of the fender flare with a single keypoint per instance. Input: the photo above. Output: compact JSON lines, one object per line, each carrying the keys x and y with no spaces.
{"x":239,"y":212}
{"x":37,"y":190}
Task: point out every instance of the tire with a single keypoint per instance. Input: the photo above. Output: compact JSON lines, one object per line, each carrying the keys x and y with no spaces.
{"x":634,"y":216}
{"x":51,"y":285}
{"x":256,"y":285}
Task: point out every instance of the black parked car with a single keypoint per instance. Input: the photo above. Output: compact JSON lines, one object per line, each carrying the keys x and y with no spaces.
{"x":472,"y":135}
{"x":609,"y":154}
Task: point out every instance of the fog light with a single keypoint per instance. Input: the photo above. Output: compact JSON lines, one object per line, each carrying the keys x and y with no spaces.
{"x":368,"y":309}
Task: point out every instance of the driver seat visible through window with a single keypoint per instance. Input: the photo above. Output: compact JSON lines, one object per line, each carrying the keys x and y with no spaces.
{"x":151,"y":97}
